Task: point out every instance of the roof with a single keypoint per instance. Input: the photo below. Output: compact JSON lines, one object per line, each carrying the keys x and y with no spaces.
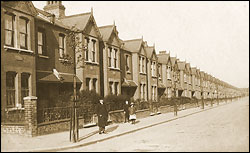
{"x":173,"y":59}
{"x":181,"y":65}
{"x":193,"y":70}
{"x":46,"y":17}
{"x":129,"y":83}
{"x":163,"y":58}
{"x":80,"y":21}
{"x":149,"y":51}
{"x":133,"y":45}
{"x":50,"y":77}
{"x":106,"y":31}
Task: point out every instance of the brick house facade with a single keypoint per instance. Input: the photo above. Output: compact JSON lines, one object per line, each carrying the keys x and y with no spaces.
{"x":18,"y":75}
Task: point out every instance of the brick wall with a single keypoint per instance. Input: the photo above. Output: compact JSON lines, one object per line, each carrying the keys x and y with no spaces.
{"x":13,"y":129}
{"x":48,"y":128}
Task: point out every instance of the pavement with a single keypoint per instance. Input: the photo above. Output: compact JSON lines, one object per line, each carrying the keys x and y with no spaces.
{"x":87,"y":136}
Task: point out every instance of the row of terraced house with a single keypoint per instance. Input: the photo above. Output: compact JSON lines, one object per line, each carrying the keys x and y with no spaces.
{"x":34,"y":44}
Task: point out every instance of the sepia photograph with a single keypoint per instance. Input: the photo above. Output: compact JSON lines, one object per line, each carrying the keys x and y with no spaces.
{"x":124,"y":76}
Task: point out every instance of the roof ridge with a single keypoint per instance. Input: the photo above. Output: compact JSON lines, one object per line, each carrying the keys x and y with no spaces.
{"x":106,"y":26}
{"x":75,"y":15}
{"x":43,"y":11}
{"x":133,"y":39}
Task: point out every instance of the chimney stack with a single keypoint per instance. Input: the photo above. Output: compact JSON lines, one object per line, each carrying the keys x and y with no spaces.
{"x":56,"y":8}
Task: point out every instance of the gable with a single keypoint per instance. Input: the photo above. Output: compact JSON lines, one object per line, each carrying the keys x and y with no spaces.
{"x":142,"y":51}
{"x":22,"y":6}
{"x":154,"y":56}
{"x":169,"y":61}
{"x":91,"y":29}
{"x":114,"y":40}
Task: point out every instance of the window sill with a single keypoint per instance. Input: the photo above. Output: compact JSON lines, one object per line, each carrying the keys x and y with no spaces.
{"x":18,"y":49}
{"x":13,"y":109}
{"x":128,"y":72}
{"x":112,"y":68}
{"x":42,"y":56}
{"x":93,"y":63}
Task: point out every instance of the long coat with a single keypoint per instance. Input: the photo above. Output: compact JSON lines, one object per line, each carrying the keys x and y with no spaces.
{"x":132,"y":110}
{"x":102,"y":114}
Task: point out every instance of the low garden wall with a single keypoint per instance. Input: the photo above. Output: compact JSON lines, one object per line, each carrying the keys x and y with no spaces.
{"x":56,"y":126}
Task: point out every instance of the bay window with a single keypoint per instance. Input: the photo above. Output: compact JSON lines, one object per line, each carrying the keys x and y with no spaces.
{"x":11,"y":88}
{"x":24,"y":86}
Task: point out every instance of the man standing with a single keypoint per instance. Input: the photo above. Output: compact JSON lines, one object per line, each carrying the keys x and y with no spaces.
{"x":126,"y":106}
{"x":102,"y":114}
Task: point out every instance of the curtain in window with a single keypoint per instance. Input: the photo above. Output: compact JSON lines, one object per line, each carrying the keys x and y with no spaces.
{"x":23,"y":33}
{"x":24,"y":86}
{"x":10,"y":89}
{"x":40,"y":43}
{"x":9,"y":30}
{"x":61,"y":45}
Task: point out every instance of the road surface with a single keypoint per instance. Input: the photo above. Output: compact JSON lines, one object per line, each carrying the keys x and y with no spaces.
{"x":224,"y":128}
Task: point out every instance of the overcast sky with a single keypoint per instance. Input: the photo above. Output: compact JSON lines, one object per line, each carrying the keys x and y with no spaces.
{"x":212,"y":36}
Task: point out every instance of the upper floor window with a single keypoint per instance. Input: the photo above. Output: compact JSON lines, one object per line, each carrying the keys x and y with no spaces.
{"x":127,"y":63}
{"x":143,"y":65}
{"x":168,"y":72}
{"x":62,"y":50}
{"x":9,"y":30}
{"x":109,"y":56}
{"x":93,"y":50}
{"x":115,"y":58}
{"x":153,"y":68}
{"x":10,"y":88}
{"x":140,"y":63}
{"x":87,"y":49}
{"x":23,"y":26}
{"x":41,"y":42}
{"x":185,"y":78}
{"x":160,"y":70}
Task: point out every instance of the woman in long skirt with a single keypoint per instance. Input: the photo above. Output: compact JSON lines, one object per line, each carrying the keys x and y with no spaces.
{"x":132,"y":115}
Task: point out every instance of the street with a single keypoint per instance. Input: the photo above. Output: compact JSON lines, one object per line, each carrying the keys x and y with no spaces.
{"x":225,"y":128}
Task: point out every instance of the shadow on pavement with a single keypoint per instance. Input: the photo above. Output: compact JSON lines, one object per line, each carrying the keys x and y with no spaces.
{"x":111,"y":129}
{"x":108,"y":130}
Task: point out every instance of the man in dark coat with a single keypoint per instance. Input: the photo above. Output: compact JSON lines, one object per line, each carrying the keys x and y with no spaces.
{"x":126,"y":106}
{"x":102,"y":114}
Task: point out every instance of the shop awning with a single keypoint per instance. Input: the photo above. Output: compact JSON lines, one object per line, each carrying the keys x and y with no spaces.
{"x":52,"y":78}
{"x":129,"y":83}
